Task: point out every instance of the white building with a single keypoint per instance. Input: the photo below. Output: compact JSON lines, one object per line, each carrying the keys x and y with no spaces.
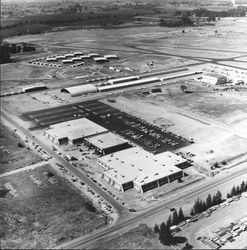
{"x":73,"y":131}
{"x":135,"y":167}
{"x":214,"y":79}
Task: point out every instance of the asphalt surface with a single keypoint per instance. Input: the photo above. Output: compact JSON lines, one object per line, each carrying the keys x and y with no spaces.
{"x":144,"y":134}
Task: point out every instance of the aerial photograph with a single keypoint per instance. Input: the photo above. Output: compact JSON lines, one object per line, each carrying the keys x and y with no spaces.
{"x":123,"y":124}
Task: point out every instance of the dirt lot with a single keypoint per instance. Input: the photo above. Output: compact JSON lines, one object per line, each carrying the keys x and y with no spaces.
{"x":183,"y":114}
{"x":45,"y":211}
{"x":14,"y":157}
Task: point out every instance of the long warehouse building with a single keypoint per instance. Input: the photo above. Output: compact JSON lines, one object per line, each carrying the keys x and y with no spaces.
{"x":128,"y":84}
{"x":139,"y":169}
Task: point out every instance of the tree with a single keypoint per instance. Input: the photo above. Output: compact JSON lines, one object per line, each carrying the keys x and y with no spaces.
{"x":183,"y":88}
{"x":242,"y":186}
{"x":181,"y":216}
{"x":218,"y":197}
{"x":233,"y":191}
{"x":5,"y":53}
{"x":188,"y":246}
{"x":192,"y":213}
{"x":209,"y":201}
{"x":175,"y":218}
{"x":238,"y":190}
{"x":186,"y":21}
{"x":228,"y":195}
{"x":156,"y":228}
{"x":169,"y":221}
{"x":165,"y":234}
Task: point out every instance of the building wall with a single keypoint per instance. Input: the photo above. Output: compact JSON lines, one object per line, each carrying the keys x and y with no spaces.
{"x":106,"y":151}
{"x":214,"y":79}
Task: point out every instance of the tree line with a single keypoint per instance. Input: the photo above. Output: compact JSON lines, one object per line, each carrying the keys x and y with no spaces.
{"x":201,"y":206}
{"x":237,"y":190}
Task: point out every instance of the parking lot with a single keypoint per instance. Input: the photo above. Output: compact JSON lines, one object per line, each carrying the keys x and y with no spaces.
{"x":146,"y":135}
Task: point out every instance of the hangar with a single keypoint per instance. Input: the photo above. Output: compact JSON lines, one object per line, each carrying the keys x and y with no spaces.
{"x":74,"y":131}
{"x":106,"y":143}
{"x":80,"y":90}
{"x":100,"y":59}
{"x":128,"y":84}
{"x":34,"y":88}
{"x":135,"y":167}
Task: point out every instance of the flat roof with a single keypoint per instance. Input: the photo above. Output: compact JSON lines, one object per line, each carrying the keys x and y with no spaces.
{"x":136,"y":164}
{"x":106,"y":140}
{"x":213,"y":75}
{"x":74,"y":129}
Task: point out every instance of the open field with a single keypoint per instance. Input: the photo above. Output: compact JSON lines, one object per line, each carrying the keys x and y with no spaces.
{"x":44,"y":210}
{"x":13,"y":156}
{"x":212,"y":139}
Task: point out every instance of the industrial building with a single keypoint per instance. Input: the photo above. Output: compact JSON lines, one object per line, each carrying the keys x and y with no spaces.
{"x":67,"y":61}
{"x":123,"y":79}
{"x":51,"y":59}
{"x":135,"y":167}
{"x":214,"y":79}
{"x":80,"y":90}
{"x":78,"y":53}
{"x":92,"y":55}
{"x":106,"y":143}
{"x":100,"y":59}
{"x":32,"y":88}
{"x":74,"y":131}
{"x":129,"y":84}
{"x":111,"y":57}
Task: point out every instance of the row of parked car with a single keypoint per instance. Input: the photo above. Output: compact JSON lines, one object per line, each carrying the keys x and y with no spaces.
{"x":39,"y":149}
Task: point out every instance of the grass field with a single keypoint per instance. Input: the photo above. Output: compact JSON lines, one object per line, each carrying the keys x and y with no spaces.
{"x":11,"y":156}
{"x":46,"y":211}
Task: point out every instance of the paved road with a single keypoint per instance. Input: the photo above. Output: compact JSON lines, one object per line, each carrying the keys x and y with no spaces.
{"x":90,"y":241}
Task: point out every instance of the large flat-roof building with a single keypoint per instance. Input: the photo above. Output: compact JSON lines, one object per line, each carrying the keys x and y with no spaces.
{"x":73,"y":131}
{"x":135,"y":167}
{"x":214,"y":79}
{"x":106,"y":143}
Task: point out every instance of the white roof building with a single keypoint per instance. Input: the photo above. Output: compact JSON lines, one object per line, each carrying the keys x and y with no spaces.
{"x":135,"y":167}
{"x":73,"y":131}
{"x":80,"y":90}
